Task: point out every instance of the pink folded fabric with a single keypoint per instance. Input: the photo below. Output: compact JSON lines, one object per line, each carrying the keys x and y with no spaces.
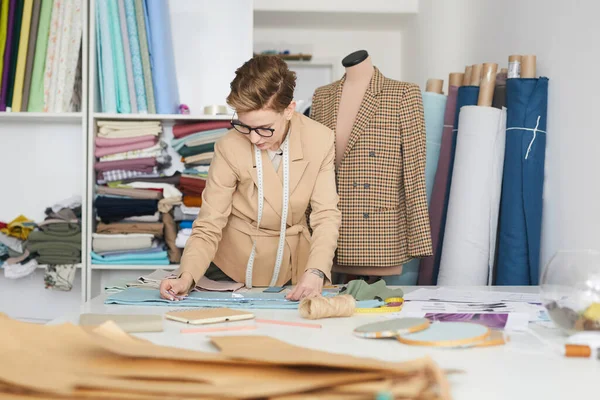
{"x":137,"y":164}
{"x":109,"y":142}
{"x":105,"y":151}
{"x":185,"y":129}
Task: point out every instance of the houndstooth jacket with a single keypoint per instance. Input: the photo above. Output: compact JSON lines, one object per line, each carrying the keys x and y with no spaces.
{"x":381,"y":179}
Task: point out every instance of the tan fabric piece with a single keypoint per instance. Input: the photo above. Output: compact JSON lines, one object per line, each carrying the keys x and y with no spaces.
{"x":153,"y":228}
{"x":133,"y":193}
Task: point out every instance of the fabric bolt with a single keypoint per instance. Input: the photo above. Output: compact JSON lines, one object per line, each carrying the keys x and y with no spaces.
{"x":192,"y":201}
{"x":470,"y":238}
{"x":128,"y":131}
{"x":157,"y":150}
{"x":36,"y":92}
{"x":170,"y":234}
{"x":182,"y":237}
{"x":199,"y":158}
{"x":3,"y":32}
{"x":60,"y":277}
{"x":114,"y":242}
{"x":31,"y":44}
{"x":22,"y":56}
{"x":123,"y":102}
{"x":133,"y":193}
{"x":115,"y":142}
{"x":156,"y":249}
{"x":16,"y":40}
{"x":158,"y":257}
{"x":9,"y":52}
{"x":186,"y":151}
{"x":106,"y":64}
{"x":181,"y":130}
{"x":143,"y":218}
{"x":198,"y":138}
{"x":127,"y":55}
{"x":139,"y":164}
{"x":104,"y":151}
{"x":111,"y":210}
{"x":145,"y":55}
{"x":523,"y":182}
{"x":164,"y":78}
{"x":171,"y":179}
{"x":381,"y":185}
{"x":18,"y":271}
{"x":136,"y":58}
{"x":119,"y":174}
{"x":466,"y":96}
{"x":153,"y":228}
{"x":76,"y":101}
{"x":56,"y":79}
{"x":186,"y":225}
{"x":499,"y":99}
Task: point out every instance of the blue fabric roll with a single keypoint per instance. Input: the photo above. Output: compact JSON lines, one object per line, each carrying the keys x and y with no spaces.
{"x":106,"y":63}
{"x":129,"y":258}
{"x":522,"y":182}
{"x":186,"y":224}
{"x":467,"y":96}
{"x":164,"y":78}
{"x":434,"y":106}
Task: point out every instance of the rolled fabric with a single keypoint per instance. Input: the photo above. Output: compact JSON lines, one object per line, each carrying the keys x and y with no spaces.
{"x":127,"y":55}
{"x":162,"y":55}
{"x":22,"y":56}
{"x":123,"y":102}
{"x":145,"y":54}
{"x":327,"y":307}
{"x":136,"y":57}
{"x":110,"y":142}
{"x":4,"y":11}
{"x":182,"y":130}
{"x":18,"y":20}
{"x":70,"y":50}
{"x":472,"y":223}
{"x":36,"y":92}
{"x":8,"y":52}
{"x":33,"y":35}
{"x":436,"y":205}
{"x":522,"y":182}
{"x":106,"y":70}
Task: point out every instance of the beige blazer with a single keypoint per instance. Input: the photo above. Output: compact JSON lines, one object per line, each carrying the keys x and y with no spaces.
{"x":226,"y":226}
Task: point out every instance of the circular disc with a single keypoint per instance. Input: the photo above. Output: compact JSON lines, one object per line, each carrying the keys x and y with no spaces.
{"x":392,"y":327}
{"x":447,"y":334}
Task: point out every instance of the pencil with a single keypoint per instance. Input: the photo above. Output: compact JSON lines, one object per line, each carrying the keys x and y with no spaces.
{"x":288,"y":323}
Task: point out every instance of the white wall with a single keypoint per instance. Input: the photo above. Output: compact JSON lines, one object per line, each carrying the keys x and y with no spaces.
{"x":332,"y":36}
{"x":447,"y":35}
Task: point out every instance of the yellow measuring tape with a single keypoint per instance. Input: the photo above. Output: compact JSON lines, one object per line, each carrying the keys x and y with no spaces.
{"x":392,"y":304}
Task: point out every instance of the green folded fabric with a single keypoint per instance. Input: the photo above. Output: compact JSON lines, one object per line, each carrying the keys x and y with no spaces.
{"x":361,"y":290}
{"x":61,"y":228}
{"x":50,"y":237}
{"x":186,"y":151}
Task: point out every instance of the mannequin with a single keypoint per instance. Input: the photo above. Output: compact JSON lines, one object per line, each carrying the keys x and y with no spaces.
{"x":380,"y":147}
{"x":359,"y":71}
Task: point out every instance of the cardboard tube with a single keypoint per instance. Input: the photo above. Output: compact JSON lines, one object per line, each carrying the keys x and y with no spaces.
{"x":456,"y":79}
{"x":476,"y":74}
{"x":435,"y":86}
{"x":514,"y":66}
{"x":467,"y":76}
{"x":528,"y":66}
{"x":488,"y":82}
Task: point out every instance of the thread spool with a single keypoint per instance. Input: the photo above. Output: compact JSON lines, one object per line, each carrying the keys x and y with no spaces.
{"x":327,"y":307}
{"x":456,"y":79}
{"x":576,"y":350}
{"x":476,"y":74}
{"x":435,"y":86}
{"x":514,"y":66}
{"x":528,"y":66}
{"x":488,"y":82}
{"x":467,"y":76}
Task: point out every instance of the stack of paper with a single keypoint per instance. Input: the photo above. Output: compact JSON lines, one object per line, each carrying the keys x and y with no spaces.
{"x":67,"y":361}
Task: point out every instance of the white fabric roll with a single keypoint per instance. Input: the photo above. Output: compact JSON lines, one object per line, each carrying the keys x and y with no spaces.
{"x":470,"y":235}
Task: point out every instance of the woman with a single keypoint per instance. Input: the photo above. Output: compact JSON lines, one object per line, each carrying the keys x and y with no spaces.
{"x":244,"y":225}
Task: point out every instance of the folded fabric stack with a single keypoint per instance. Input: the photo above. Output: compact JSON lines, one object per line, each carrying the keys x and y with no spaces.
{"x":55,"y":242}
{"x":195,"y":143}
{"x":40,"y":55}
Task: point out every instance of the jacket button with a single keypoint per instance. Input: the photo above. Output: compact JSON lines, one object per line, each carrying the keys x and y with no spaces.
{"x":371,"y":154}
{"x":367,"y":185}
{"x":366,"y":215}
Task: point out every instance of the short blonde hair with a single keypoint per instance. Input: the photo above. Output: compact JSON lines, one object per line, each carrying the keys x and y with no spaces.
{"x":263,"y":82}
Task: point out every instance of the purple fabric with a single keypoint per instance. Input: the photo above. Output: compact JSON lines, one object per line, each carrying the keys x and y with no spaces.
{"x":109,"y":142}
{"x":493,"y":321}
{"x":139,"y":164}
{"x":7,"y":54}
{"x":105,"y":151}
{"x":436,"y":206}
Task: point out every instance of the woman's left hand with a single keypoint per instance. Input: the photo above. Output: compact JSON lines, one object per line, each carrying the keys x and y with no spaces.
{"x":310,"y":285}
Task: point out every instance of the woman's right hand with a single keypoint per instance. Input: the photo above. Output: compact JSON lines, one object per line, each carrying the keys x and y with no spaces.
{"x":170,"y":288}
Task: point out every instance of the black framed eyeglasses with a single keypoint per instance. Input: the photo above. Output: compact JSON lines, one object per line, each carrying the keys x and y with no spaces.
{"x":245,"y":129}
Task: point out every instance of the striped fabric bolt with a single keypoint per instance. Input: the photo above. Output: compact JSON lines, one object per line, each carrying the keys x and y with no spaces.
{"x":381,"y":181}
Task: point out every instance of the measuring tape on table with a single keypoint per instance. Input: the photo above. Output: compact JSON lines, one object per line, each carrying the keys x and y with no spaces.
{"x":284,"y":211}
{"x":391,"y":304}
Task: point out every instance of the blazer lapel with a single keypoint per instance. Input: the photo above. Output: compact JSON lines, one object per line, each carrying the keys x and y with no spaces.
{"x":368,"y":107}
{"x":297,"y":163}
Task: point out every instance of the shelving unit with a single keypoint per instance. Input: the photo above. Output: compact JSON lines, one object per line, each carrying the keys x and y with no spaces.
{"x":44,"y":157}
{"x":203,"y":77}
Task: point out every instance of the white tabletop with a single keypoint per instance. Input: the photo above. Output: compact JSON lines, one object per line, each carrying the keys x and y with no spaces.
{"x":522,"y":369}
